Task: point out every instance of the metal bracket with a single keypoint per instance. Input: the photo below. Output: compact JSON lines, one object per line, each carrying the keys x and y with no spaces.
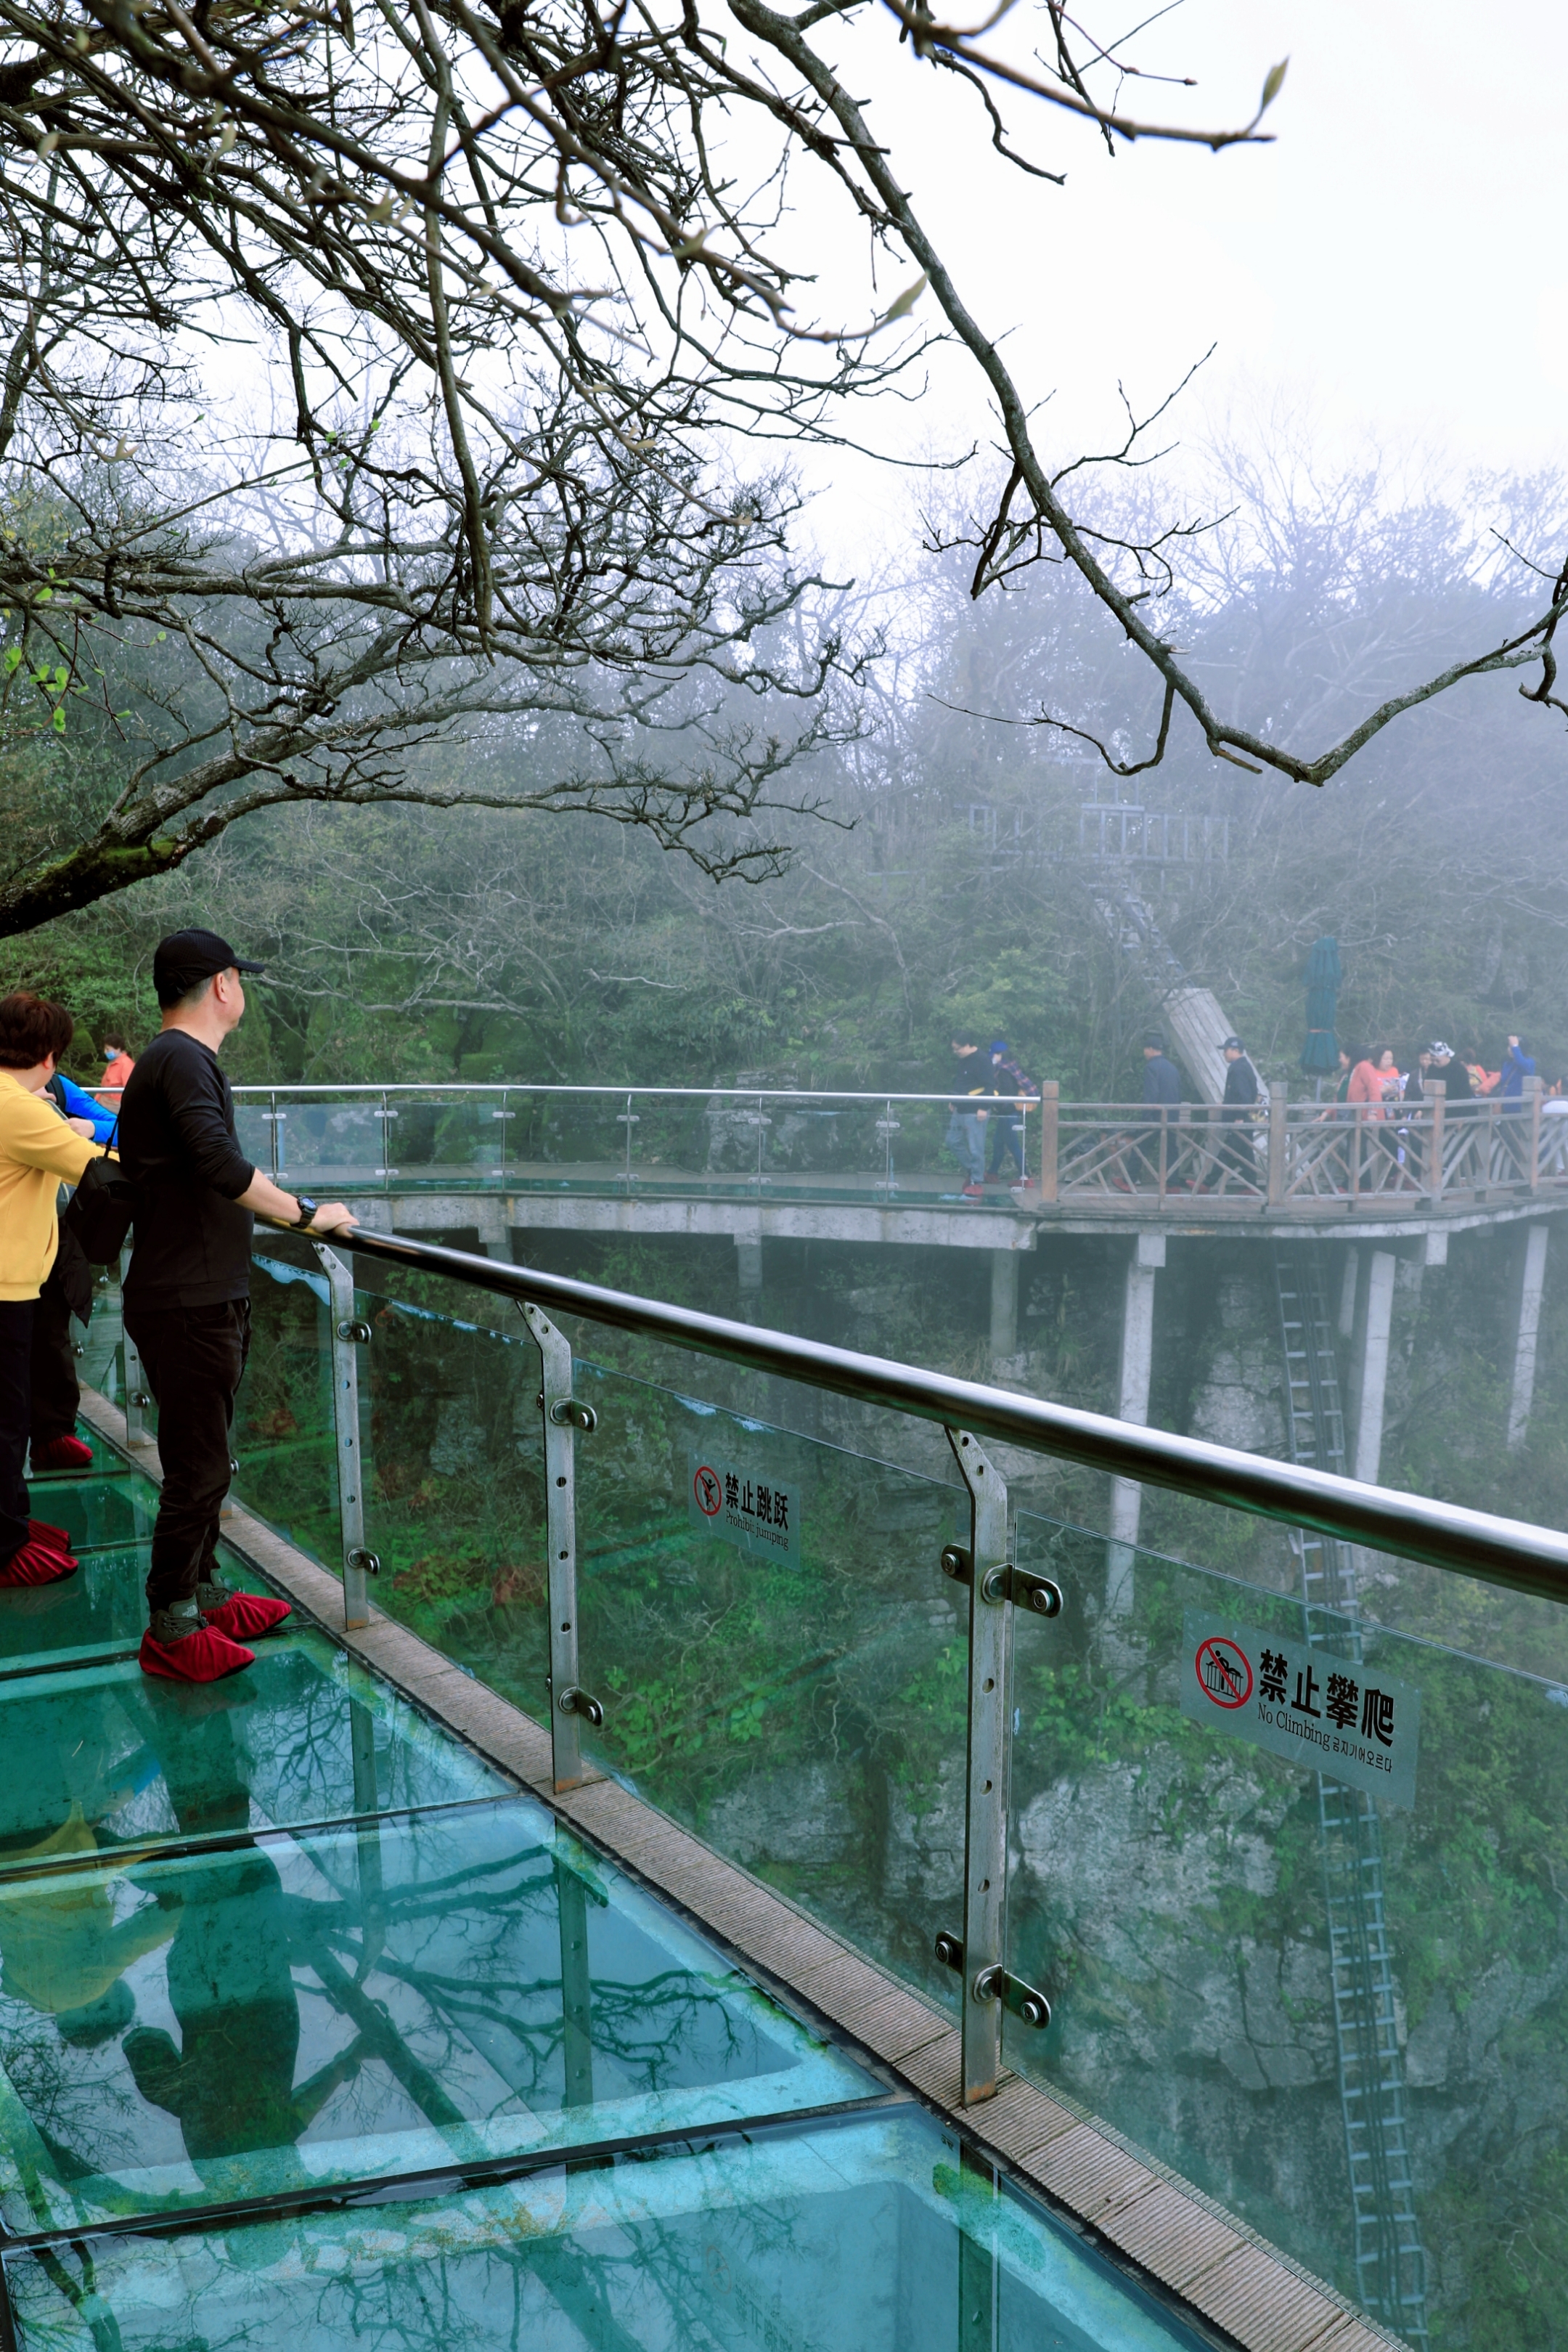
{"x":1038,"y":1594}
{"x":567,"y":1413}
{"x":1025,"y":2001}
{"x":357,"y":1330}
{"x":560,"y":1415}
{"x":988,"y":1761}
{"x":358,"y":1562}
{"x":583,"y":1703}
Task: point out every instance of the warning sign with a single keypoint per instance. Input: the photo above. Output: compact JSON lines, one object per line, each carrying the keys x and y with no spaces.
{"x":1347,"y":1719}
{"x":743,"y":1508}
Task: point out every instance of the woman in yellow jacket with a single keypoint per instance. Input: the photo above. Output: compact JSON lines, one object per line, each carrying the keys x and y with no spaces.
{"x":39,"y":1150}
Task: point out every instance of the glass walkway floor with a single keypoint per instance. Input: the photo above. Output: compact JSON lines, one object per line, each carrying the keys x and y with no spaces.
{"x":314,"y":2031}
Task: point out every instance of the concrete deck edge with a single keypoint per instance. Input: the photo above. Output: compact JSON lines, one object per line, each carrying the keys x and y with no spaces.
{"x":1231,"y":2277}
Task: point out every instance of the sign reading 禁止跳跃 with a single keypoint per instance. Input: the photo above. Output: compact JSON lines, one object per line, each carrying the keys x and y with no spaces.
{"x":1348,"y":1720}
{"x":742,"y":1507}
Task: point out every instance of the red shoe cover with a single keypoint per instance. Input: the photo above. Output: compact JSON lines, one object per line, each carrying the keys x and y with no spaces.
{"x":62,"y":1453}
{"x":35,"y":1564}
{"x":39,"y":1531}
{"x":246,"y":1616}
{"x":205,"y":1657}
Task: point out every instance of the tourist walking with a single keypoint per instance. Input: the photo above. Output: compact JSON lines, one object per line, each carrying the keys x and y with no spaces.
{"x":966,"y":1138}
{"x":39,"y":1151}
{"x":1161,"y":1095}
{"x":1007,"y":1135}
{"x":187,"y":1297}
{"x":1242,"y":1095}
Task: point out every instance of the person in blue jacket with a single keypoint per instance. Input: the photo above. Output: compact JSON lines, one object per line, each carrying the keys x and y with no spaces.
{"x":1517,"y":1064}
{"x":57,"y":1391}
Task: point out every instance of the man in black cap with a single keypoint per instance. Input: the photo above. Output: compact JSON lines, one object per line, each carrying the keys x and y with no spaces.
{"x":1162,"y":1094}
{"x":187,"y":1297}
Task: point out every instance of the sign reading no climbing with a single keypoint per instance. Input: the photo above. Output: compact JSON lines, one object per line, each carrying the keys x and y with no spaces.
{"x":1343,"y":1715}
{"x":743,"y":1506}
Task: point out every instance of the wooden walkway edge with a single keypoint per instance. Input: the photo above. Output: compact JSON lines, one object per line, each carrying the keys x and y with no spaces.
{"x":1157,"y":2223}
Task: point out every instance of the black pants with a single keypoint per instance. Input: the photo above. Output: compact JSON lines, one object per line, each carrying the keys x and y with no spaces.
{"x":194,"y":1358}
{"x":15,"y":1411}
{"x":57,"y":1391}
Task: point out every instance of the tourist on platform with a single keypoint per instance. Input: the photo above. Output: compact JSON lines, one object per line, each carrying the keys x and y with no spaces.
{"x":1007,"y":1132}
{"x":1242,"y":1095}
{"x":187,"y":1298}
{"x":117,"y":1068}
{"x":1162,"y":1096}
{"x":66,"y":1292}
{"x":966,"y":1138}
{"x":1441,"y":1061}
{"x":39,"y":1151}
{"x":1517,"y":1064}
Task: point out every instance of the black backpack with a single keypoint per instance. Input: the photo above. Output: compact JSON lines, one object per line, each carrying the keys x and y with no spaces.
{"x":98,"y":1217}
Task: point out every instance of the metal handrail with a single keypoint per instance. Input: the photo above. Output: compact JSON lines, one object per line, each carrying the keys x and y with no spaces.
{"x":1507,"y":1552}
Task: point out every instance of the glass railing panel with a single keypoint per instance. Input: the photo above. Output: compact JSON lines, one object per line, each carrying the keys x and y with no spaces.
{"x":870,"y":2235}
{"x":445,"y":1139}
{"x":453,"y":1461}
{"x":1298,"y":1906}
{"x":780,"y":1659}
{"x":418,"y":1991}
{"x":326,"y":1145}
{"x":282,"y":1435}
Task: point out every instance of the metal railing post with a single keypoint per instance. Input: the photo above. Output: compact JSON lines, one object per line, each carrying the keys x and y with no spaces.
{"x":137,"y":1399}
{"x":990,"y":1764}
{"x":347,"y":1335}
{"x":561,"y":1419}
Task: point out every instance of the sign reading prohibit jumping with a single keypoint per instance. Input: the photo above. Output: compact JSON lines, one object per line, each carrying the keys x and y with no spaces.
{"x":1345,"y":1716}
{"x":744,"y":1508}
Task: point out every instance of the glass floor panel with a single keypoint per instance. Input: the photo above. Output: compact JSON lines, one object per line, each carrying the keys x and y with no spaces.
{"x":341,"y":2004}
{"x":871,"y":2234}
{"x":106,"y":1756}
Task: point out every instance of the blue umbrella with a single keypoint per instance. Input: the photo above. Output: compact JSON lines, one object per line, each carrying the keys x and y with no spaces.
{"x":1325,"y":973}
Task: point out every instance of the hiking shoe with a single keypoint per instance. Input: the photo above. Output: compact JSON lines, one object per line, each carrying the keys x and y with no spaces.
{"x":35,"y":1563}
{"x":39,"y":1531}
{"x":974,"y":1191}
{"x":179,"y":1648}
{"x":61,"y":1454}
{"x":242,"y":1616}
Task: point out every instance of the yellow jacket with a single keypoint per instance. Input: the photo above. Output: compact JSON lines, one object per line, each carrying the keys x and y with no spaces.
{"x":38,"y":1153}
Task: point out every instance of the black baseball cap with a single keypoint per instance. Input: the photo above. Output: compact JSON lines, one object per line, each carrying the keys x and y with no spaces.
{"x":187,"y":957}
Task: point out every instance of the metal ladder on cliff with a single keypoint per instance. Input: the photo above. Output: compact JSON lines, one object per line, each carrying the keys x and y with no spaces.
{"x":1390,"y":2260}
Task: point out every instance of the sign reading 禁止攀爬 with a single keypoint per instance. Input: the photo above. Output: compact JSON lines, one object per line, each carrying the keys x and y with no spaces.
{"x":1348,"y":1720}
{"x":738,"y":1506}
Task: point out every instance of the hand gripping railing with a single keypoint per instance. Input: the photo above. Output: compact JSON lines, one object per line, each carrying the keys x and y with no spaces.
{"x":1506,"y":1552}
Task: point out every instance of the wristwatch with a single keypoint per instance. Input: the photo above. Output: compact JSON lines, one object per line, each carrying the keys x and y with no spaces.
{"x":307,"y":1211}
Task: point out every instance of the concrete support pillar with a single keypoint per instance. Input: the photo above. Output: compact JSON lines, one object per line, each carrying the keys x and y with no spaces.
{"x":1004,"y":1306}
{"x":1347,"y":1293}
{"x":1375,"y":1318}
{"x":1132,"y":1404}
{"x":1526,"y":1328}
{"x":748,"y":1275}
